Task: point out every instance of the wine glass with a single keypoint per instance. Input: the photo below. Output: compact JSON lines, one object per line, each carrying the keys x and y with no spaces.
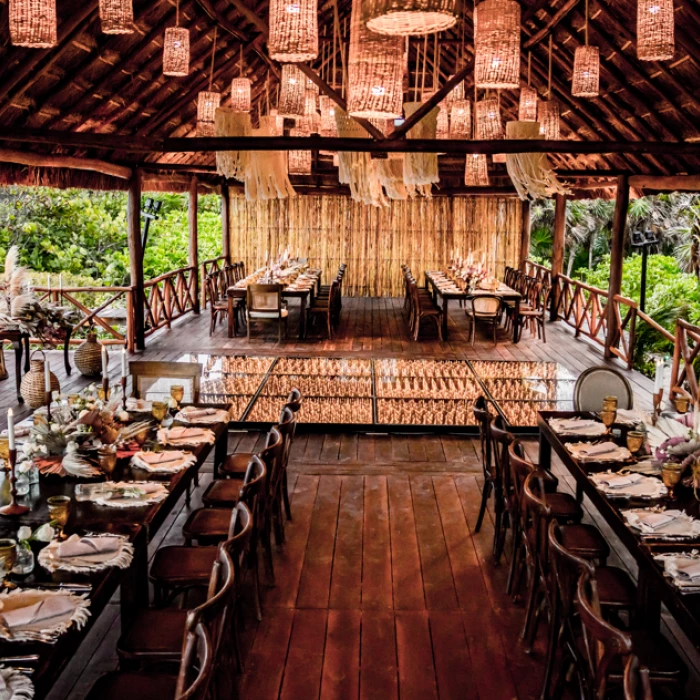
{"x":8,"y":556}
{"x":610,"y":403}
{"x":681,"y":403}
{"x":635,"y":440}
{"x":608,"y":417}
{"x":158,"y":411}
{"x":59,"y":510}
{"x":671,"y":473}
{"x":177,"y":391}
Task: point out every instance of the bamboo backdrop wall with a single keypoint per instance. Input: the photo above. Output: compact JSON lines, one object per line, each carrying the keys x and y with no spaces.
{"x":374,"y":241}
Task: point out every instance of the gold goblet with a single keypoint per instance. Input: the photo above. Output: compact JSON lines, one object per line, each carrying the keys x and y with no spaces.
{"x":108,"y":460}
{"x":608,"y":417}
{"x":159,"y":410}
{"x":610,"y":403}
{"x":177,"y":391}
{"x":8,"y":556}
{"x":59,"y":510}
{"x":4,"y":448}
{"x":671,"y":473}
{"x":635,"y":440}
{"x":682,"y":404}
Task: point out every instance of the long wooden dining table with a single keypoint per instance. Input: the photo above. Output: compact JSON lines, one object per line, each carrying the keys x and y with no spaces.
{"x":652,"y":586}
{"x":138,"y":524}
{"x":446,"y":295}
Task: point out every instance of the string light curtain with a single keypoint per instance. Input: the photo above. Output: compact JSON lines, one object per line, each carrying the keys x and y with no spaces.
{"x":497,"y":44}
{"x":33,"y":23}
{"x":489,"y":125}
{"x":375,"y":70}
{"x":461,"y":119}
{"x":655,"y":30}
{"x":117,"y":16}
{"x":293,"y":36}
{"x":476,"y":171}
{"x":409,"y":17}
{"x":292,"y":91}
{"x":586,"y":78}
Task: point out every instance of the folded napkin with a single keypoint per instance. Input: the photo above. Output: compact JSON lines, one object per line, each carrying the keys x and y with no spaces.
{"x":618,"y":481}
{"x":186,"y":433}
{"x":162,"y":459}
{"x":629,"y":416}
{"x":194,"y":412}
{"x":76,"y":546}
{"x":46,"y":609}
{"x":577,"y":426}
{"x":688,"y":569}
{"x":655,"y":521}
{"x":603,"y":448}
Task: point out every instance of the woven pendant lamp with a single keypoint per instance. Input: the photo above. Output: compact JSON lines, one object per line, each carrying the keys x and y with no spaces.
{"x":456,"y":94}
{"x":299,"y":162}
{"x":460,"y":119}
{"x":329,"y":127}
{"x":117,"y":16}
{"x":527,"y":107}
{"x":375,"y":70}
{"x":176,"y":48}
{"x":292,"y":91}
{"x":443,"y":124}
{"x":497,"y":44}
{"x":310,"y":102}
{"x":476,"y":171}
{"x":207,"y":104}
{"x":293,"y":34}
{"x":586,"y":78}
{"x":273,"y":123}
{"x":240,"y":95}
{"x":489,"y":125}
{"x":655,"y":30}
{"x":409,"y":17}
{"x":548,"y":117}
{"x":33,"y":23}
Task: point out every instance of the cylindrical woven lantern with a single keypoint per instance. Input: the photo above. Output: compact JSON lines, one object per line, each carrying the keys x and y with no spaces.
{"x":476,"y":171}
{"x":655,"y":30}
{"x":299,"y":162}
{"x":207,"y":104}
{"x":176,"y":52}
{"x":527,"y":108}
{"x":548,"y":117}
{"x":329,"y":127}
{"x":33,"y":23}
{"x":585,"y":82}
{"x":310,"y":106}
{"x":497,"y":44}
{"x":499,"y":158}
{"x":292,"y":91}
{"x":272,"y":124}
{"x":240,"y":95}
{"x":117,"y":16}
{"x":443,"y":124}
{"x":461,"y":119}
{"x":409,"y":17}
{"x":488,"y":120}
{"x":375,"y":71}
{"x":456,"y":94}
{"x":293,"y":34}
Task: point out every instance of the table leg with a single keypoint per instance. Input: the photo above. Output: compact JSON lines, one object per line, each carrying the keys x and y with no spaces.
{"x":231,"y":319}
{"x":516,"y":321}
{"x":648,"y":611}
{"x":134,"y":586}
{"x":66,"y":349}
{"x":220,"y":452}
{"x":17,"y":345}
{"x":25,"y":339}
{"x":445,"y":302}
{"x":302,"y":317}
{"x":545,"y":460}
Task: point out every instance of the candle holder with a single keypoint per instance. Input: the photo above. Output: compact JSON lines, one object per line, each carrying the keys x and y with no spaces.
{"x":105,"y":387}
{"x":48,"y":405}
{"x":123,"y":381}
{"x":657,"y":397}
{"x":13,"y":508}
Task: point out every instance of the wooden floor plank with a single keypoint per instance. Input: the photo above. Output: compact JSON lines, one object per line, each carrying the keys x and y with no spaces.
{"x":340,"y":679}
{"x":302,"y":674}
{"x":415,"y":656}
{"x":453,"y":664}
{"x":378,"y":670}
{"x":376,"y":553}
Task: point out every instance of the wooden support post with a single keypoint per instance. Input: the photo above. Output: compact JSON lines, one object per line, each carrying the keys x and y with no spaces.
{"x":226,"y":222}
{"x":617,"y":246}
{"x":525,"y":234}
{"x":558,"y":251}
{"x":133,"y":223}
{"x":193,"y":240}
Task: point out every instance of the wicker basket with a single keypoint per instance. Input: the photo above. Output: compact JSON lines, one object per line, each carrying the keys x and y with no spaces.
{"x":32,"y":387}
{"x":88,"y":356}
{"x":3,"y":368}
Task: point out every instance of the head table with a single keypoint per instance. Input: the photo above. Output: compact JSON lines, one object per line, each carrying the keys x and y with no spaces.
{"x":139,"y":524}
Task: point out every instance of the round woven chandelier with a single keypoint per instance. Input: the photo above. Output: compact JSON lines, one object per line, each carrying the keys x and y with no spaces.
{"x":293,"y":34}
{"x":240,"y":95}
{"x":548,"y":118}
{"x":375,"y":71}
{"x":207,"y":104}
{"x":460,"y":119}
{"x":489,"y":125}
{"x":409,"y":17}
{"x":655,"y":30}
{"x":586,"y":79}
{"x":117,"y":16}
{"x":497,"y":44}
{"x":476,"y":171}
{"x":176,"y":52}
{"x":292,"y":91}
{"x":527,"y":106}
{"x":33,"y":23}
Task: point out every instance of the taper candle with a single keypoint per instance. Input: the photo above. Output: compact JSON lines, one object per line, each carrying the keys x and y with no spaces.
{"x":124,"y":363}
{"x":11,"y":429}
{"x":47,"y":378}
{"x":104,"y":362}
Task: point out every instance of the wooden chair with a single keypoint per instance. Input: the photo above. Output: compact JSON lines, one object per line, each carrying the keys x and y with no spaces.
{"x":287,"y":427}
{"x":157,"y":376}
{"x":192,"y":682}
{"x":218,"y":307}
{"x":483,"y":419}
{"x":264,"y":303}
{"x":325,"y":308}
{"x":636,"y":684}
{"x":607,"y":649}
{"x":500,"y":438}
{"x":424,"y":308}
{"x":485,"y":308}
{"x":534,"y":312}
{"x":595,"y":383}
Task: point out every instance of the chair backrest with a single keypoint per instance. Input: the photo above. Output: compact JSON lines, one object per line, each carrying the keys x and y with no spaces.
{"x":520,"y":468}
{"x":636,"y":683}
{"x":213,"y":291}
{"x":154,"y":379}
{"x":197,"y":662}
{"x":273,"y":457}
{"x":287,"y":426}
{"x":595,"y":383}
{"x":253,"y":487}
{"x":535,"y":510}
{"x":500,"y":439}
{"x":294,"y":400}
{"x":239,"y":535}
{"x":603,"y":642}
{"x":486,"y":305}
{"x":264,"y":297}
{"x":483,"y":418}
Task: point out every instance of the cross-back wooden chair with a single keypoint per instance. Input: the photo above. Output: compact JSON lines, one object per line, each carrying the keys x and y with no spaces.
{"x":483,"y":418}
{"x":500,"y":439}
{"x":218,"y":305}
{"x":154,"y":377}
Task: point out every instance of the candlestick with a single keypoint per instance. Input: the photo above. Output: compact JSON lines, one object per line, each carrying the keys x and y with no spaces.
{"x":11,"y":429}
{"x":124,"y":392}
{"x":13,"y":508}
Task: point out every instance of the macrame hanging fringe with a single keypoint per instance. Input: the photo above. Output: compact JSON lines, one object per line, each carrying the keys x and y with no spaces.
{"x":229,"y":122}
{"x":421,"y":169}
{"x":266,"y":175}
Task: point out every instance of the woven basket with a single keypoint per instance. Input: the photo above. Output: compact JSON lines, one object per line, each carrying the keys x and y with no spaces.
{"x":88,"y":356}
{"x":32,"y":387}
{"x":3,"y":368}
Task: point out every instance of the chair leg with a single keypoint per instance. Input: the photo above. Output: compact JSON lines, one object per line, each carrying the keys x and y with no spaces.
{"x":514,"y":559}
{"x":494,"y":332}
{"x":482,"y":509}
{"x":533,"y":584}
{"x":285,"y":494}
{"x":552,"y":645}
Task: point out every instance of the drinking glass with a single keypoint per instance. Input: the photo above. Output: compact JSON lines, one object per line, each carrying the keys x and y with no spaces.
{"x":177,"y":391}
{"x":59,"y":510}
{"x":635,"y":440}
{"x":608,"y":417}
{"x":158,"y":410}
{"x":671,"y":473}
{"x":107,"y":458}
{"x":8,"y":556}
{"x":681,"y":403}
{"x":610,"y":403}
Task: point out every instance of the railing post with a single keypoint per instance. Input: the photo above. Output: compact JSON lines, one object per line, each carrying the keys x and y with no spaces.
{"x":558,"y":250}
{"x":194,"y":241}
{"x":130,"y":339}
{"x":525,"y":236}
{"x":676,"y":367}
{"x":133,"y":222}
{"x":632,"y":337}
{"x":225,"y":223}
{"x":622,"y":199}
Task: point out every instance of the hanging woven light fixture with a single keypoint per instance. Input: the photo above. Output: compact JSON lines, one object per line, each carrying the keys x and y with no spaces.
{"x":456,"y":94}
{"x":292,"y":91}
{"x":409,"y":17}
{"x":527,"y":108}
{"x":586,"y":78}
{"x":116,"y":16}
{"x":476,"y":171}
{"x":299,"y":162}
{"x":497,"y":44}
{"x":176,"y":48}
{"x":207,"y":104}
{"x":329,"y":127}
{"x":548,"y":112}
{"x":293,"y":34}
{"x":488,"y":119}
{"x":240,"y":89}
{"x":272,"y":124}
{"x":375,"y":70}
{"x":461,"y":119}
{"x":443,"y":124}
{"x":655,"y":30}
{"x":33,"y":23}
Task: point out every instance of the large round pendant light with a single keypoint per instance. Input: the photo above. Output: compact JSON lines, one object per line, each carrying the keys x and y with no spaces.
{"x":476,"y":172}
{"x":293,"y":34}
{"x":292,"y":91}
{"x":117,"y":16}
{"x":655,"y":30}
{"x":375,"y":71}
{"x":409,"y":17}
{"x":33,"y":23}
{"x":497,"y":44}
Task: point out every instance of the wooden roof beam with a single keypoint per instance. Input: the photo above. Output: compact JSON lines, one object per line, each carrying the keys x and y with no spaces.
{"x":36,"y":160}
{"x":549,"y":26}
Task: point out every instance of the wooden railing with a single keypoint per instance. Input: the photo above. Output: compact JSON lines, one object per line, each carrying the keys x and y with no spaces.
{"x":685,"y":353}
{"x":168,"y":297}
{"x":539,"y":272}
{"x":207,"y":268}
{"x":582,"y":307}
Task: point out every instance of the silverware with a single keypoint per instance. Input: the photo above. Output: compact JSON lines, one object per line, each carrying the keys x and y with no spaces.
{"x":67,"y":586}
{"x":22,"y":659}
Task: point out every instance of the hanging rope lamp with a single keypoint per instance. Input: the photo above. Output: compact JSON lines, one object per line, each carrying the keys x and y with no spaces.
{"x":655,"y":30}
{"x":409,"y":17}
{"x":460,"y":119}
{"x":240,"y":89}
{"x":548,"y":112}
{"x":33,"y":23}
{"x":586,"y":78}
{"x":375,"y":70}
{"x":116,"y":16}
{"x":527,"y":105}
{"x":476,"y":171}
{"x":299,"y":162}
{"x":329,"y":127}
{"x":443,"y":123}
{"x":176,"y":48}
{"x":208,"y":101}
{"x":293,"y":34}
{"x":489,"y":125}
{"x":292,"y":91}
{"x":497,"y":44}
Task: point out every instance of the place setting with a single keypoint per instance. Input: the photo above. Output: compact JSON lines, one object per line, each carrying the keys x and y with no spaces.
{"x":202,"y":416}
{"x":86,"y":553}
{"x":123,"y":494}
{"x":162,"y":462}
{"x":180,"y":435}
